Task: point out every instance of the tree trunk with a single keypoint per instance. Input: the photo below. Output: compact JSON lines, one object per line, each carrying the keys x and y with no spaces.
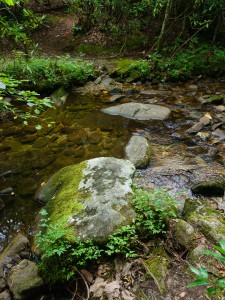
{"x":164,"y":26}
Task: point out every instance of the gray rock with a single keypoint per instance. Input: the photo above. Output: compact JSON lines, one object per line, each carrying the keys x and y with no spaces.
{"x":195,"y":128}
{"x":113,"y":98}
{"x":154,"y":93}
{"x":219,"y":134}
{"x":92,"y":196}
{"x":139,"y":111}
{"x":24,"y":281}
{"x":197,"y":252}
{"x":138,"y":151}
{"x":106,"y":82}
{"x":5,"y":295}
{"x":59,"y":96}
{"x":19,"y":244}
{"x":183,"y":233}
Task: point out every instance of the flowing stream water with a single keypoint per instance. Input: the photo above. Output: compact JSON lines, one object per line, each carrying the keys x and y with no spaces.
{"x":81,"y":131}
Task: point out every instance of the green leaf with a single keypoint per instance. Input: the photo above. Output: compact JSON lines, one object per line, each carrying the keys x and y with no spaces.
{"x":9,"y":2}
{"x":198,"y":282}
{"x":201,"y":272}
{"x":222,"y":244}
{"x":211,"y":290}
{"x":38,"y":127}
{"x":218,"y":256}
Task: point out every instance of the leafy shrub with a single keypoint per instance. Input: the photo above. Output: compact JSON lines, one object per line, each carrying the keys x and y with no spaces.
{"x":11,"y":93}
{"x":49,"y":73}
{"x":61,"y":257}
{"x":17,"y":23}
{"x":204,"y":60}
{"x":214,"y":281}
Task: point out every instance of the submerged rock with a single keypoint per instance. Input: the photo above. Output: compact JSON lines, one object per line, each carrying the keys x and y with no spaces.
{"x":138,"y":151}
{"x":139,"y":111}
{"x":92,"y":196}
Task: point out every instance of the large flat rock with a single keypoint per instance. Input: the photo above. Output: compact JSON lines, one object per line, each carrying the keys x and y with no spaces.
{"x":93,"y":197}
{"x":139,"y":111}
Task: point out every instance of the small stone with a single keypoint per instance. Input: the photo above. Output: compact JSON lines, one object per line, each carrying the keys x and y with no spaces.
{"x":5,"y":295}
{"x":116,"y":98}
{"x":203,"y":135}
{"x":206,"y":119}
{"x":41,"y":142}
{"x":195,"y":128}
{"x":220,"y":108}
{"x":219,"y":133}
{"x":95,"y":137}
{"x":193,"y":87}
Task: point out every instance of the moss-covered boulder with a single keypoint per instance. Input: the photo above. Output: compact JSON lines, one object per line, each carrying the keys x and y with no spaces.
{"x":205,"y":218}
{"x":93,"y":197}
{"x":214,"y":187}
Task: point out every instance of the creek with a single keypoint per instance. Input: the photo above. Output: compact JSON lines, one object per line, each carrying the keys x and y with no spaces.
{"x":81,"y":131}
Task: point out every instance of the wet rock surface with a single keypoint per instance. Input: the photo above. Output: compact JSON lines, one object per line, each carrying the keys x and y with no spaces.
{"x":138,"y":111}
{"x":138,"y":151}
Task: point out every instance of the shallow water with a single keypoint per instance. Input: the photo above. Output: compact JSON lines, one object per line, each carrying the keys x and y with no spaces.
{"x":82,"y":132}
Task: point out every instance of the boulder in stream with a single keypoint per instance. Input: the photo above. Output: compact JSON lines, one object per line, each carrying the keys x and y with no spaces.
{"x":138,"y":151}
{"x":92,"y":196}
{"x":139,"y":111}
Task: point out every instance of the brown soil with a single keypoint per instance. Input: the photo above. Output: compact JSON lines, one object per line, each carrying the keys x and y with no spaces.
{"x":53,"y":38}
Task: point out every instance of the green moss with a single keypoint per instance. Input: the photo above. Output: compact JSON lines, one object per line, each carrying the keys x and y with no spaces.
{"x":132,"y":69}
{"x":157,"y":267}
{"x":67,"y":201}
